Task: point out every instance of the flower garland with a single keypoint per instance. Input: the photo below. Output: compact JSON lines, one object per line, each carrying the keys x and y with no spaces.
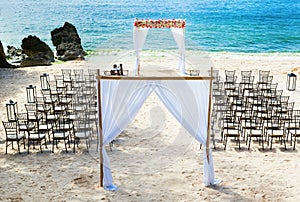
{"x":175,"y":23}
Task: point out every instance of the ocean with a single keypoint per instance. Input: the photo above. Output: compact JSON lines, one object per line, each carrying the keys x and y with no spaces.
{"x":254,"y":26}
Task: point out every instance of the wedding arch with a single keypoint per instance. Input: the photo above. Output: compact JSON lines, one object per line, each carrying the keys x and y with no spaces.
{"x":140,"y":31}
{"x":188,"y":98}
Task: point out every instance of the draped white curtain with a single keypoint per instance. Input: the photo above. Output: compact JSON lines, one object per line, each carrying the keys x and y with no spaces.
{"x":187,"y":100}
{"x":178,"y":35}
{"x":139,"y":37}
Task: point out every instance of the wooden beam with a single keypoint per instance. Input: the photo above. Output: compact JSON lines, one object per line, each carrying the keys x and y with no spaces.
{"x":209,"y":114}
{"x":153,"y":78}
{"x":100,"y":132}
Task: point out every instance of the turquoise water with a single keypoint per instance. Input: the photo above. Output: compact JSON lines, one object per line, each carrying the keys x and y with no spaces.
{"x":212,"y":25}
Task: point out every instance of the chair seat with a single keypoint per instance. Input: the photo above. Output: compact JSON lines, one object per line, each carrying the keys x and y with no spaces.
{"x":231,"y":135}
{"x":60,"y":108}
{"x":65,"y":127}
{"x":60,"y":135}
{"x":92,"y":117}
{"x":43,"y":108}
{"x":255,"y":134}
{"x":45,"y":127}
{"x":14,"y":137}
{"x":52,"y":117}
{"x":49,"y":100}
{"x":28,"y":127}
{"x":81,"y":135}
{"x":79,"y":108}
{"x":276,"y":135}
{"x":292,"y":128}
{"x":72,"y":117}
{"x":249,"y":127}
{"x":82,"y":126}
{"x":65,"y":100}
{"x":272,"y":128}
{"x":36,"y":136}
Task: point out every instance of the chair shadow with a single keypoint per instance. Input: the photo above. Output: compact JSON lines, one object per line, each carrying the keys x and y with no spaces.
{"x":228,"y":191}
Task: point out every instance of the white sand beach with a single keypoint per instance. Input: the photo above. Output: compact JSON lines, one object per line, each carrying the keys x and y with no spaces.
{"x":154,"y":159}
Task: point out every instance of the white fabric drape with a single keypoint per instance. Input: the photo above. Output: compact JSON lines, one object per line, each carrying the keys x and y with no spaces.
{"x":139,"y":37}
{"x":178,"y":34}
{"x":187,"y":100}
{"x":120,"y":101}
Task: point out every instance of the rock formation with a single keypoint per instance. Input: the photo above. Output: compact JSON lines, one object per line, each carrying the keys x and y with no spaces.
{"x":67,"y":42}
{"x":3,"y":61}
{"x":38,"y":52}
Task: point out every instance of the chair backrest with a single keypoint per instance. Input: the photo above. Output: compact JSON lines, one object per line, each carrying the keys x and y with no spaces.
{"x":93,"y":72}
{"x":246,"y":73}
{"x":59,"y":80}
{"x":296,"y":114}
{"x":229,"y":73}
{"x":266,"y":79}
{"x":31,"y":109}
{"x":22,"y":119}
{"x":284,"y":99}
{"x":247,"y":79}
{"x":66,"y":72}
{"x":11,"y":128}
{"x":215,"y":74}
{"x":263,"y":73}
{"x":48,"y":96}
{"x":78,"y":72}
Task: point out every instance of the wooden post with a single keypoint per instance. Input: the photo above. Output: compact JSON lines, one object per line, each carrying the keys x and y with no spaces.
{"x":209,"y":112}
{"x":139,"y":69}
{"x":100,"y":130}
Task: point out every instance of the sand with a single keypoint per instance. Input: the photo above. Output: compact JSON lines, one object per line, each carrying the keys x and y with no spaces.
{"x":154,"y":159}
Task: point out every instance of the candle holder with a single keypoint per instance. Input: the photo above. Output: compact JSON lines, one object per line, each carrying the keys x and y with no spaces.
{"x":31,"y":94}
{"x":44,"y":78}
{"x":12,"y":111}
{"x":291,"y":82}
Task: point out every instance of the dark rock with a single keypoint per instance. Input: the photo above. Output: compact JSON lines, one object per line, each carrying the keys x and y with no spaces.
{"x":67,"y":43}
{"x":3,"y":61}
{"x":38,"y":52}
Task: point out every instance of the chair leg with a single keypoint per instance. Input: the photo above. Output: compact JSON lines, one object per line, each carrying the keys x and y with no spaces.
{"x":24,"y":143}
{"x":74,"y":145}
{"x":28,"y":145}
{"x":69,"y":141}
{"x":46,"y":143}
{"x":87,"y":144}
{"x":222,"y":135}
{"x":66,"y":145}
{"x":295,"y":140}
{"x":53,"y":145}
{"x":18,"y":146}
{"x":6,"y":147}
{"x":271,"y":143}
{"x":41,"y":146}
{"x":249,"y":142}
